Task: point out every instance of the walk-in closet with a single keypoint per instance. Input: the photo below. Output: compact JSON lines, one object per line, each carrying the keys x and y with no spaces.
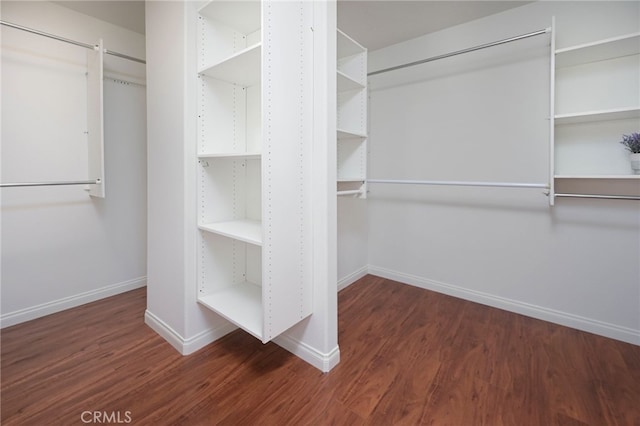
{"x":320,"y":212}
{"x":248,"y":160}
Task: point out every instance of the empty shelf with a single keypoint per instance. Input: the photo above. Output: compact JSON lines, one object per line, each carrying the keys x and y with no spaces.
{"x":241,"y":304}
{"x":349,"y":134}
{"x":247,"y":155}
{"x":602,"y":115}
{"x":243,"y":68}
{"x":346,"y":83}
{"x":249,"y":231}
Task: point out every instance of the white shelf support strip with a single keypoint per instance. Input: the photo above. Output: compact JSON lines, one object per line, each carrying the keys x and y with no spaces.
{"x":66,"y":40}
{"x":461,"y":183}
{"x":69,"y":182}
{"x":460,"y":52}
{"x":599,"y":196}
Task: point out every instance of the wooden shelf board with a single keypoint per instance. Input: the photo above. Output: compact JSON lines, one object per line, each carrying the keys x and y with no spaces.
{"x":247,"y":230}
{"x":602,"y":115}
{"x":247,"y":155}
{"x":243,"y":16}
{"x":239,"y":303}
{"x":242,"y":68}
{"x":601,"y":50}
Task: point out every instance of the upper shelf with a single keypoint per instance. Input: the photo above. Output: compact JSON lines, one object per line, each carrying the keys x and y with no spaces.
{"x":601,"y":50}
{"x":242,"y":68}
{"x":244,"y":16}
{"x":348,"y":46}
{"x":602,"y":115}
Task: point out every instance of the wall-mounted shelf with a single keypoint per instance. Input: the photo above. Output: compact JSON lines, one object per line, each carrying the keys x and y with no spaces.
{"x":596,"y":99}
{"x":599,"y":177}
{"x":602,"y":115}
{"x":601,"y":50}
{"x":351,"y":135}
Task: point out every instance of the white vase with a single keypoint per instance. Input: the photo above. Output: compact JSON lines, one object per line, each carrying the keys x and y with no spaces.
{"x":635,"y":163}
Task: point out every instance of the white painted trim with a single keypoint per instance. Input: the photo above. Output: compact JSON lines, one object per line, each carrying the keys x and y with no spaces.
{"x":590,"y":325}
{"x":48,"y":308}
{"x":346,"y":281}
{"x":323,"y":362}
{"x":164,"y":330}
{"x":182,"y":345}
{"x":206,"y":337}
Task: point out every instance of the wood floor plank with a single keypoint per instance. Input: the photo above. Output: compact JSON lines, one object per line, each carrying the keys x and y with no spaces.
{"x":408,"y":357}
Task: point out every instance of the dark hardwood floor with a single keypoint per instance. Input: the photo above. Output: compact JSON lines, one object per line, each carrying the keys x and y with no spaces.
{"x":408,"y":357}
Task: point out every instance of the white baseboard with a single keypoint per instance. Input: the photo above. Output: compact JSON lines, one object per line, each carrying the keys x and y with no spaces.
{"x":182,"y":345}
{"x":601,"y":328}
{"x":323,"y":362}
{"x":33,"y":312}
{"x":352,"y":277}
{"x":203,"y":338}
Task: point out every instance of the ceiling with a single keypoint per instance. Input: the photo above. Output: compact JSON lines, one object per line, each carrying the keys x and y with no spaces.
{"x":126,"y":14}
{"x":374,"y":23}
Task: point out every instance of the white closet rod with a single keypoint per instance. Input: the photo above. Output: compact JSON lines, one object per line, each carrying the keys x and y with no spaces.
{"x":66,"y":40}
{"x":598,"y":196}
{"x":69,"y":182}
{"x":461,"y":183}
{"x":460,"y":52}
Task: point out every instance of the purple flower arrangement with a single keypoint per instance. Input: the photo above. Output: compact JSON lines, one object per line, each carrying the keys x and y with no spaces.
{"x":631,"y":142}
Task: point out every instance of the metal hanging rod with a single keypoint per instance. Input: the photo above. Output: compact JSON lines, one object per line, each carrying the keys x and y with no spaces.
{"x":461,"y":183}
{"x":70,"y":182}
{"x":598,"y":196}
{"x":66,"y":40}
{"x":460,"y":52}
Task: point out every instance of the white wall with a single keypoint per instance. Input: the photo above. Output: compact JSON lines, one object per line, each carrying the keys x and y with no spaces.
{"x":60,"y":247}
{"x":483,"y":117}
{"x":352,"y":240}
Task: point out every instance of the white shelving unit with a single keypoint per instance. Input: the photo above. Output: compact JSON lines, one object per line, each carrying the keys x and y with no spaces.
{"x":254,"y":152}
{"x":596,"y":93}
{"x":352,"y":117}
